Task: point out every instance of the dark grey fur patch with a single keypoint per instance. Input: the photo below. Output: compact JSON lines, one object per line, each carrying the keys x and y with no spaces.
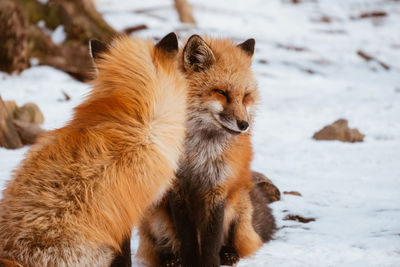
{"x":263,"y":220}
{"x":203,"y":166}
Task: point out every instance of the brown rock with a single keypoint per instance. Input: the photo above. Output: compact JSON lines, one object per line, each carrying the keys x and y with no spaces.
{"x":29,"y":112}
{"x":28,"y":132}
{"x":267,"y":186}
{"x":11,"y":106}
{"x":339,"y":130}
{"x":295,"y":193}
{"x":9,"y":137}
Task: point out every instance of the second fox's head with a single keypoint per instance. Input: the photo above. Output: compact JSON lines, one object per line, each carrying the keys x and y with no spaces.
{"x":222,"y":88}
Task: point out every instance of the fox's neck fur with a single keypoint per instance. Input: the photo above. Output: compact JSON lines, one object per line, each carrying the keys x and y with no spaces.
{"x":204,"y":164}
{"x":207,"y":65}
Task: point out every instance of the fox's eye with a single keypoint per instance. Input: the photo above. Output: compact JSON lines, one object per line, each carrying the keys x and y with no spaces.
{"x":219,"y":91}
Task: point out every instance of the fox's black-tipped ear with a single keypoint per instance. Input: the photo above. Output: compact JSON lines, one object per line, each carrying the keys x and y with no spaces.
{"x":197,"y":55}
{"x":248,"y":46}
{"x":97,"y":48}
{"x":169,"y":43}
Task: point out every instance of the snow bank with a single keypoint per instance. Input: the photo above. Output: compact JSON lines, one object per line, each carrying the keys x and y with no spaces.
{"x":309,"y":75}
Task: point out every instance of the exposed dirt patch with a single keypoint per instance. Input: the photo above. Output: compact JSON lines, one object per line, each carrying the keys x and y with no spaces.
{"x":368,"y":57}
{"x":373,"y":14}
{"x":294,"y":193}
{"x":292,"y":47}
{"x":298,"y":218}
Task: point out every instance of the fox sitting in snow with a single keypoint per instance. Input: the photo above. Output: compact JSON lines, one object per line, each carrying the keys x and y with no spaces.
{"x":79,"y":191}
{"x":214,"y":213}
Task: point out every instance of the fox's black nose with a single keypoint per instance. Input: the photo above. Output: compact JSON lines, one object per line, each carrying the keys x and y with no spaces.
{"x":243,"y":125}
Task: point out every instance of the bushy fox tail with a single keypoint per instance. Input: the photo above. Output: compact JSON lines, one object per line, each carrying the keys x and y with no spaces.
{"x":143,"y":86}
{"x":116,"y":157}
{"x":138,"y":103}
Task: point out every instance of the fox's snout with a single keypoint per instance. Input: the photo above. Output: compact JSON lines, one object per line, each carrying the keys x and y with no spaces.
{"x":243,"y":125}
{"x":222,"y":83}
{"x":235,"y":120}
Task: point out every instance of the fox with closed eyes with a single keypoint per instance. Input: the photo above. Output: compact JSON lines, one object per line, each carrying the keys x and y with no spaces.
{"x":214,"y":214}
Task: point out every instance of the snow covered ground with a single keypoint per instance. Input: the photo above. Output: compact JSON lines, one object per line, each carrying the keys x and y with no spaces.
{"x":309,"y":75}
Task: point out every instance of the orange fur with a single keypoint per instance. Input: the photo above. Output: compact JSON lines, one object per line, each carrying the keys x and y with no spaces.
{"x":246,"y":241}
{"x":81,"y":189}
{"x":8,"y":263}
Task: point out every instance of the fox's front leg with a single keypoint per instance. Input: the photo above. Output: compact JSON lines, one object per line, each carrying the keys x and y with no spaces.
{"x":245,"y":239}
{"x":228,"y":254}
{"x":123,"y":259}
{"x":185,"y":230}
{"x":211,"y":234}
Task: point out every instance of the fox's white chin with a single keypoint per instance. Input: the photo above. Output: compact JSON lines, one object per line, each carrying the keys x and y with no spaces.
{"x":231,"y":127}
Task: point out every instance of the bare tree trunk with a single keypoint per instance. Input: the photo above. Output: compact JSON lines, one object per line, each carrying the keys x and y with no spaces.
{"x":184,"y":11}
{"x":23,"y":34}
{"x":9,"y":137}
{"x":13,"y":38}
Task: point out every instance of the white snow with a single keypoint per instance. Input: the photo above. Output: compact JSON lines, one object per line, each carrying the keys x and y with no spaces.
{"x":58,"y":36}
{"x":352,"y":190}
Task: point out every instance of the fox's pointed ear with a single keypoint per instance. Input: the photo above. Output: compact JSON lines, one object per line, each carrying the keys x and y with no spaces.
{"x":97,"y":48}
{"x":169,"y":43}
{"x":248,"y":46}
{"x":197,"y":55}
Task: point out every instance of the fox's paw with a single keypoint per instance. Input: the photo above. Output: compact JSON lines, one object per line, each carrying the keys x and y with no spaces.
{"x":228,"y":256}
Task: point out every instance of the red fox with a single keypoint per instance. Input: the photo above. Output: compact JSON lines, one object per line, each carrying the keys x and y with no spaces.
{"x":214,"y":213}
{"x":67,"y":203}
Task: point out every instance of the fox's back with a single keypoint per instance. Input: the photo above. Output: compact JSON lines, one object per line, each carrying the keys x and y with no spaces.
{"x":81,"y":188}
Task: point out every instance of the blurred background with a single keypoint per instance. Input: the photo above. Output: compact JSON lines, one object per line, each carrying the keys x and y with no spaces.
{"x":333,"y":63}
